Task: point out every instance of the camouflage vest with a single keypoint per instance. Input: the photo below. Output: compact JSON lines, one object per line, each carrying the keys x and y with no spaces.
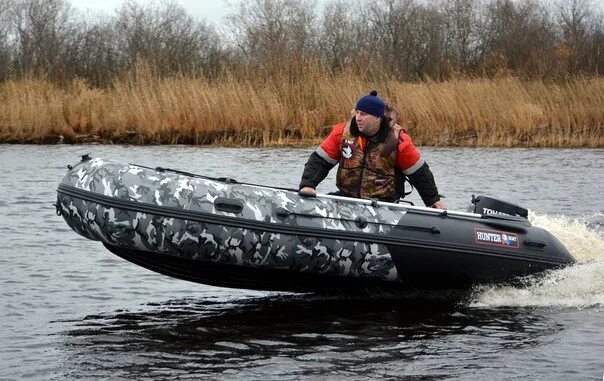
{"x":372,"y":172}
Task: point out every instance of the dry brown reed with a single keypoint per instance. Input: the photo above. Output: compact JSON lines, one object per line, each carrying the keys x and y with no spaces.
{"x":143,"y":108}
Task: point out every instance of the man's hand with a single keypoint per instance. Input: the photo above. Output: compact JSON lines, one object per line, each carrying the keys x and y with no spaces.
{"x":307,"y":192}
{"x":440,"y":204}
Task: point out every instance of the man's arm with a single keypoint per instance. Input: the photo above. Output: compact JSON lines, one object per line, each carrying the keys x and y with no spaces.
{"x":411,"y":163}
{"x":320,"y":162}
{"x":315,"y":170}
{"x":423,"y":180}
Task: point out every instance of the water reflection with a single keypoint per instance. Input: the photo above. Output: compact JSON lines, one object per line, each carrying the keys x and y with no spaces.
{"x":283,"y":336}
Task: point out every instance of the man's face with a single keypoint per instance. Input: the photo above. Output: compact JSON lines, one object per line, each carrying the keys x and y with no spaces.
{"x":368,"y":124}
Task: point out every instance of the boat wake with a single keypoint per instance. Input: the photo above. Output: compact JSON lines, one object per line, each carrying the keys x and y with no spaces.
{"x":578,"y":286}
{"x":583,"y":237}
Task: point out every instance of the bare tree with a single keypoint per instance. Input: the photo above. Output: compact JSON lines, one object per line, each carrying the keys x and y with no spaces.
{"x":162,"y":34}
{"x":391,"y":30}
{"x":42,"y":28}
{"x":426,"y":53}
{"x":405,"y":39}
{"x":518,"y":35}
{"x":573,"y":19}
{"x":6,"y":48}
{"x":270,"y":33}
{"x":461,"y":35}
{"x":342,"y":34}
{"x":596,"y":44}
{"x":96,"y":56}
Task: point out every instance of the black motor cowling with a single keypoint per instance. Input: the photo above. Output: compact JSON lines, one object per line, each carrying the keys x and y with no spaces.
{"x":488,"y":206}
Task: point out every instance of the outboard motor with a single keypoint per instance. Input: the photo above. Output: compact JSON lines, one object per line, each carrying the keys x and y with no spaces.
{"x":488,"y":206}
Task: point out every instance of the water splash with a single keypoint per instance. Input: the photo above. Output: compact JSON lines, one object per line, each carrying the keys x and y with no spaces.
{"x":582,"y":237}
{"x":578,"y":286}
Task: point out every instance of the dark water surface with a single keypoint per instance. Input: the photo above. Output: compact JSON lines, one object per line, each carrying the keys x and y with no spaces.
{"x":72,"y":310}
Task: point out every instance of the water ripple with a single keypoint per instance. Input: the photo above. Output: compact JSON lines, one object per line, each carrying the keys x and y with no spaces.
{"x":72,"y":310}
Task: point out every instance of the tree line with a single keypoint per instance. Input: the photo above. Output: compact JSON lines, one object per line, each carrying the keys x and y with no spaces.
{"x":405,"y":40}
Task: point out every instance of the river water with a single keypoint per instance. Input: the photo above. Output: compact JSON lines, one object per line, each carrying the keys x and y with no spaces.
{"x":72,"y":310}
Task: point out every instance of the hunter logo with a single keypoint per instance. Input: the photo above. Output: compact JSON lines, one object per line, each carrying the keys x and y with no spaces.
{"x":347,"y":152}
{"x":496,"y":238}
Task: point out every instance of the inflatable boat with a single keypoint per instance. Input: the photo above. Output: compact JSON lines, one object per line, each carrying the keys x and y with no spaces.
{"x":221,"y":232}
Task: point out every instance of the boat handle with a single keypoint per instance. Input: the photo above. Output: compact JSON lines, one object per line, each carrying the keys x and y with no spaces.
{"x":228,"y":205}
{"x":431,"y":229}
{"x":58,"y":208}
{"x":283,"y":213}
{"x":85,"y":157}
{"x":539,"y":245}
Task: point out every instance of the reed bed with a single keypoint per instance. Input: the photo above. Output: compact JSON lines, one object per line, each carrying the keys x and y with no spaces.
{"x":143,"y":108}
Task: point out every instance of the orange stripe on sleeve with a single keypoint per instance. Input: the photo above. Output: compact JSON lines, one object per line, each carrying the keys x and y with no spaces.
{"x":408,"y":154}
{"x":331,"y":145}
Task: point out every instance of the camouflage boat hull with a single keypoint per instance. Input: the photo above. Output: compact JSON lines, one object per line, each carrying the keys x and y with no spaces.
{"x":224,"y":233}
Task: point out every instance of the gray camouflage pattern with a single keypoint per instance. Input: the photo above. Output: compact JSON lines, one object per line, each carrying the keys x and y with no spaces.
{"x":205,"y":241}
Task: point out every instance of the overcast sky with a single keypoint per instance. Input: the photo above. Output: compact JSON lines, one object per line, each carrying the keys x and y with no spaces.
{"x":212,"y":10}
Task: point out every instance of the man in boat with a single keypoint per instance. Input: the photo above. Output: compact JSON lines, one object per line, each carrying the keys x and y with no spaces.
{"x":374,"y":155}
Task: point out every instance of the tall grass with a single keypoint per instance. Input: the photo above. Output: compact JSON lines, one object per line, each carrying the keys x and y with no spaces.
{"x":143,"y":108}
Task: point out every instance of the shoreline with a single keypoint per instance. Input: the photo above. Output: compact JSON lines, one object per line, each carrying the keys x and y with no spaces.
{"x":305,"y":144}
